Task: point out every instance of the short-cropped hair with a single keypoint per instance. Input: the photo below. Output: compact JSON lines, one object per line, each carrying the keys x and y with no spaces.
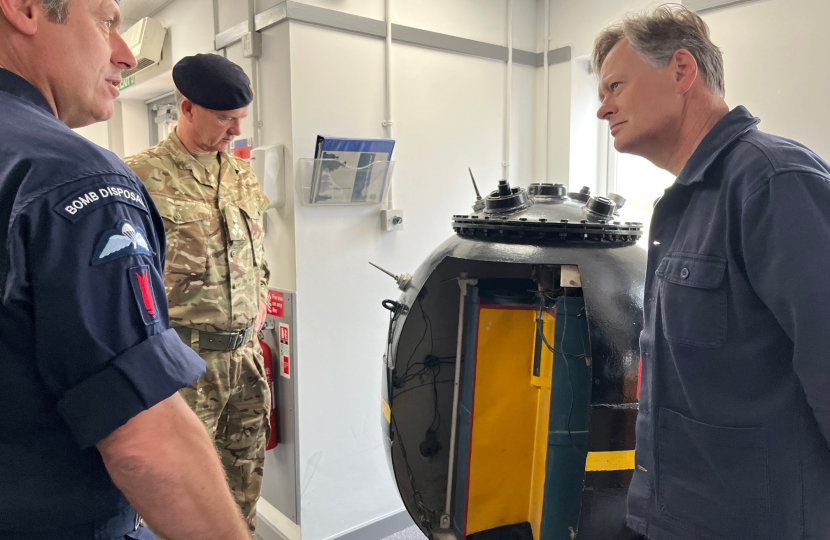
{"x":179,"y":99}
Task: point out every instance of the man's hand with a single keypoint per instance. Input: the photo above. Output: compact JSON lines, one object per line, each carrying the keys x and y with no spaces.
{"x":260,"y":317}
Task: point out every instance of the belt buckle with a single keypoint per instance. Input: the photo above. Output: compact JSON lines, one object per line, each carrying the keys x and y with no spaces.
{"x":233,"y":343}
{"x":240,"y":338}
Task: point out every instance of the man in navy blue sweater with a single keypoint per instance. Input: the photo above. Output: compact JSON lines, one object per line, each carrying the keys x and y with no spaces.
{"x":92,"y":429}
{"x":734,"y":422}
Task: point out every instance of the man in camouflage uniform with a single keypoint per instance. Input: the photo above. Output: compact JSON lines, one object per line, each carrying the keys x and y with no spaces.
{"x":215,"y":275}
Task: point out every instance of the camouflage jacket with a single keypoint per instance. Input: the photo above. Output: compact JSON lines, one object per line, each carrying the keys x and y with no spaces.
{"x":215,"y":274}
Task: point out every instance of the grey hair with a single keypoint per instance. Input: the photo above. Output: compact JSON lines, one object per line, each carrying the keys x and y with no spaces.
{"x":657,"y":35}
{"x":56,"y":10}
{"x":179,"y":99}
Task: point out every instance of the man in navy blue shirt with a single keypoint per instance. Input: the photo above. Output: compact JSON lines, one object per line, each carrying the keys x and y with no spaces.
{"x":91,"y":424}
{"x":734,"y":421}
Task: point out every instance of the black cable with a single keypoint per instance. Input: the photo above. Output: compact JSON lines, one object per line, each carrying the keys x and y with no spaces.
{"x":427,"y":326}
{"x":422,"y":385}
{"x":416,"y":495}
{"x":564,"y":330}
{"x":430,"y":364}
{"x":437,"y":413}
{"x":565,"y":356}
{"x":429,"y":323}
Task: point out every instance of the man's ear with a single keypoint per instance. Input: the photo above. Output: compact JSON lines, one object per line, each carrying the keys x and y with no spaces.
{"x":23,"y":15}
{"x":187,"y":107}
{"x":684,"y":70}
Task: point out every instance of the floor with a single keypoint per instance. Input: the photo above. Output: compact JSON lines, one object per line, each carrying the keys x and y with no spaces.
{"x":412,"y":533}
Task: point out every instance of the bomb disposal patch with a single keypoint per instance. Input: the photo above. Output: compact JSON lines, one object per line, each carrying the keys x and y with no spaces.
{"x":141,"y":279}
{"x":124,"y":240}
{"x":82,"y":202}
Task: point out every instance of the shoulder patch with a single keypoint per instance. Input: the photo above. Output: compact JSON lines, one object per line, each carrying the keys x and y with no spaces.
{"x":142,"y":285}
{"x":124,"y":240}
{"x":79,"y":204}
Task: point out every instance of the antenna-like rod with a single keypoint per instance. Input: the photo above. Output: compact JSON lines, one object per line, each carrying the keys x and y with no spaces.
{"x":387,"y":272}
{"x":475,"y":187}
{"x":403,"y":280}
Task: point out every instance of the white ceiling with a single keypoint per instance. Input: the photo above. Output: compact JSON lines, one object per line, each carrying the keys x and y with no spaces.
{"x":135,"y":10}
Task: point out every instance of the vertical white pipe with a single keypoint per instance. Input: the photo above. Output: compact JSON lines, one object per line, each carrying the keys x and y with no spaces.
{"x":546,"y":101}
{"x":216,"y":26}
{"x":215,"y":20}
{"x":257,"y":135}
{"x":462,"y":283}
{"x":388,"y":120}
{"x":508,"y":100}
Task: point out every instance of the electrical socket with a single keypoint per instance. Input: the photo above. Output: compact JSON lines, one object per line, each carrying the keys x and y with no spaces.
{"x":391,"y":220}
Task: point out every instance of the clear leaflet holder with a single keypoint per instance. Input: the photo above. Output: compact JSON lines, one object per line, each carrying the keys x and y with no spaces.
{"x":330,"y":182}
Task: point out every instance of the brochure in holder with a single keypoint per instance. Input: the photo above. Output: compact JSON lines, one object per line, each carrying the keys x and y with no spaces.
{"x":333,"y":182}
{"x":349,"y":171}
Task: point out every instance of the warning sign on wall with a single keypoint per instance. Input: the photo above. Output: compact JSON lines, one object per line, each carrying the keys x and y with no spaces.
{"x":276,"y":304}
{"x":285,"y":359}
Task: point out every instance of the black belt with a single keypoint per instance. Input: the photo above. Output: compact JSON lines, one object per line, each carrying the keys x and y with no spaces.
{"x":221,"y":341}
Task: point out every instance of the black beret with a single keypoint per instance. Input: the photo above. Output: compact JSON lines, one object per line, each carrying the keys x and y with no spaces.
{"x":213,"y":82}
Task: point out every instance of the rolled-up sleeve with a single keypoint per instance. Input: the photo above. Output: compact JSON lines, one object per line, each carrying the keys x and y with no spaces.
{"x":134,"y":381}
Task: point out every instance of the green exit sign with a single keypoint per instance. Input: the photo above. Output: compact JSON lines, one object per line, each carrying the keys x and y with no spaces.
{"x":126,"y":83}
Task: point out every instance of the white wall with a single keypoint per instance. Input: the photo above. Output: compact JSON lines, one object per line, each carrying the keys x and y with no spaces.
{"x":583,"y":156}
{"x":190,"y":23}
{"x":774,"y":55}
{"x":96,"y":133}
{"x":136,"y":136}
{"x":481,"y":20}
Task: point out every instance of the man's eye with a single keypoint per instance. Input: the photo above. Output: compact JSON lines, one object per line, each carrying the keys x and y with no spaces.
{"x":108,"y":23}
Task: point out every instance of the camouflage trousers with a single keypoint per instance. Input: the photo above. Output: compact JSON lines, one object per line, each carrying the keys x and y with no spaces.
{"x":232,"y":400}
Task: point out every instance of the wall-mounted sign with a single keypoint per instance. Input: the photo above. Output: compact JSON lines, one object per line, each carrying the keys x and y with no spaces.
{"x":276,"y":304}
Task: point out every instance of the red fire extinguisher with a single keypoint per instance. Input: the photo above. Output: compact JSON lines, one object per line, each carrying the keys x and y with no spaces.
{"x":269,"y":375}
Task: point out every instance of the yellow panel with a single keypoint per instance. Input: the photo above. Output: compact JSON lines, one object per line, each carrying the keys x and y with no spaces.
{"x":387,"y":412}
{"x":505,"y":420}
{"x":610,"y":461}
{"x":540,"y":452}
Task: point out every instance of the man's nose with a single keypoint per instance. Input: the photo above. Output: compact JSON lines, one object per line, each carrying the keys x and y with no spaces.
{"x":236,"y":127}
{"x":121,"y":56}
{"x":606,"y":110}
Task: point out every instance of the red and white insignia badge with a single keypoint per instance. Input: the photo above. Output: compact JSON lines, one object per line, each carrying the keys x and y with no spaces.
{"x":141,"y":281}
